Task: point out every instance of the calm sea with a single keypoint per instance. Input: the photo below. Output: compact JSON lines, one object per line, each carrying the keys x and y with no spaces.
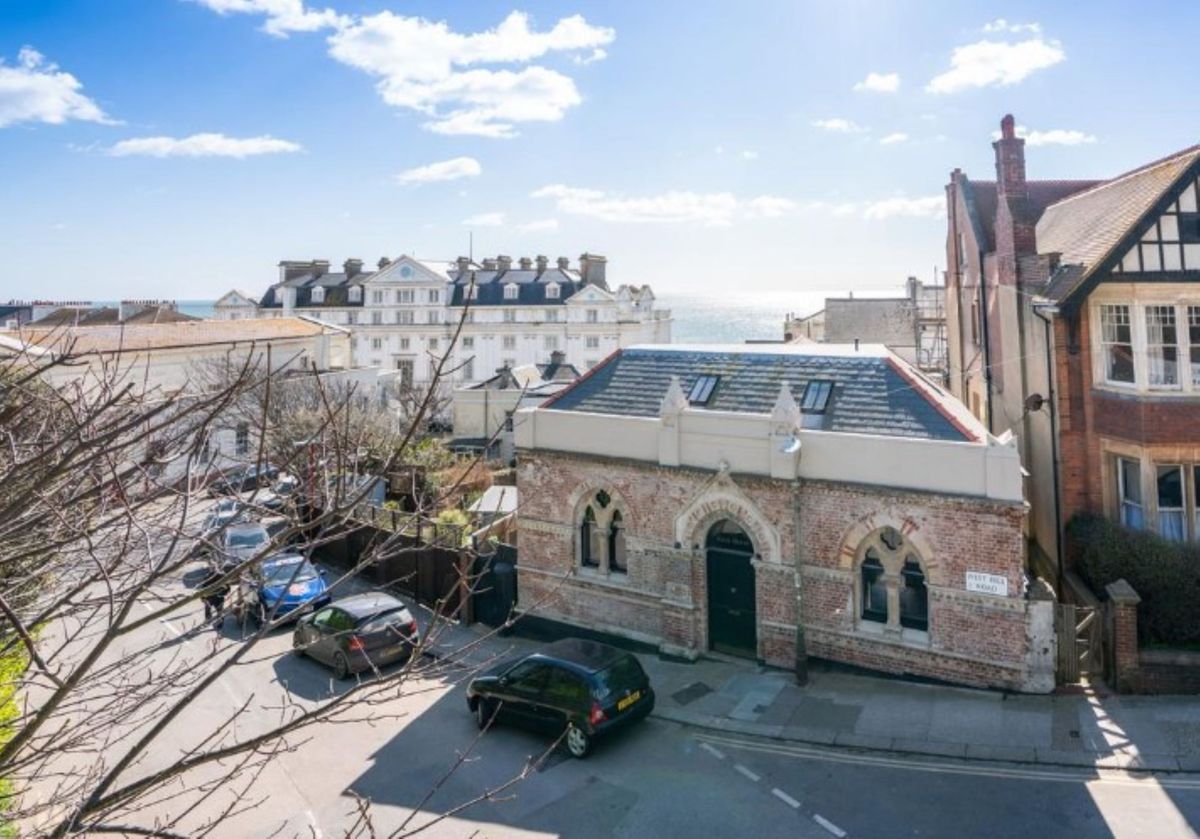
{"x":708,"y":320}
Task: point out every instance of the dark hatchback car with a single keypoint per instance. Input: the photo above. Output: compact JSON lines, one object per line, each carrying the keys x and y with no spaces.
{"x":358,"y":633}
{"x":582,"y":687}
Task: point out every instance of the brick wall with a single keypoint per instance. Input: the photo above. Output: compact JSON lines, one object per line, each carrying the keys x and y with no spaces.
{"x":972,"y":639}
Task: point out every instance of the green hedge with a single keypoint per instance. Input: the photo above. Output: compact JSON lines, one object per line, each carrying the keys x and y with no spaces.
{"x":1166,"y":575}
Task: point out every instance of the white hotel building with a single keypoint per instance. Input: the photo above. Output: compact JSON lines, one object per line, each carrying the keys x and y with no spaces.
{"x":404,"y":314}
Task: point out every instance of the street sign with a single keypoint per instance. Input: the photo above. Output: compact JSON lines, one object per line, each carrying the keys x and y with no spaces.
{"x":987,"y":583}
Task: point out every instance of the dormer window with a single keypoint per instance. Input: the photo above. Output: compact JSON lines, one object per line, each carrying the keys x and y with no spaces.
{"x":510,"y":291}
{"x":355,"y":294}
{"x":472,"y":292}
{"x":318,"y":294}
{"x":552,"y":290}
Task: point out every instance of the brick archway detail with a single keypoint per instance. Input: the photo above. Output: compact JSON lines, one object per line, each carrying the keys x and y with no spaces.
{"x":723,"y":499}
{"x":854,"y":538}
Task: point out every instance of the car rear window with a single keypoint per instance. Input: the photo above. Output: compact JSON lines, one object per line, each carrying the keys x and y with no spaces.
{"x":247,"y":539}
{"x":624,"y":673}
{"x":380,"y":622}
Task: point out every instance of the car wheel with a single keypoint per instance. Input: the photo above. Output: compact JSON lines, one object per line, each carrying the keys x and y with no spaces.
{"x":483,"y":714}
{"x":578,"y":742}
{"x":341,"y":667}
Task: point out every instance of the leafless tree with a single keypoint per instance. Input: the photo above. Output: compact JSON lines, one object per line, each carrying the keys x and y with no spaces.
{"x":97,"y":543}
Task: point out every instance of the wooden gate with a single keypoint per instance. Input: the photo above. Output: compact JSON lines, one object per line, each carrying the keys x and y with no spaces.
{"x":1080,"y":633}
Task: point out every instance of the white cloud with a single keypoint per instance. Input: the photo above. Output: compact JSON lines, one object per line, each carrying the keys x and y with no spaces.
{"x":427,"y":67}
{"x":893,"y":138}
{"x":444,"y":170}
{"x":282,"y":16}
{"x":749,"y":154}
{"x":996,"y":63}
{"x":709,"y":209}
{"x":838,"y":125}
{"x":1002,"y":25}
{"x":485,"y":220}
{"x":879,"y":83}
{"x":1053,"y":137}
{"x":35,"y":90}
{"x":546,"y":225}
{"x":596,"y":55}
{"x":933,"y":206}
{"x":203,"y":145}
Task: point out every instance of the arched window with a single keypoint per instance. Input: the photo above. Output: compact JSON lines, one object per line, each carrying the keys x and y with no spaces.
{"x":587,"y":532}
{"x":602,"y":534}
{"x":616,"y":545}
{"x":892,"y":586}
{"x":914,"y":596}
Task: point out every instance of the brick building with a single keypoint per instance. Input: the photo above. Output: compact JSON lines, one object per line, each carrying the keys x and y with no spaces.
{"x":1074,"y":321}
{"x":776,"y":502}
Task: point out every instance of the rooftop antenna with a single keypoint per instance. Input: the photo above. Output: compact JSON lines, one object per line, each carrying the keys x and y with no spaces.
{"x":471,"y":245}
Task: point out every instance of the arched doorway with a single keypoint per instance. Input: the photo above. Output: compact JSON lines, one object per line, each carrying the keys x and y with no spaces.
{"x":732,"y":624}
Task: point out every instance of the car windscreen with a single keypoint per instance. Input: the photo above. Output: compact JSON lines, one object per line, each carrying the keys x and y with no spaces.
{"x":281,"y":573}
{"x":623,"y":674}
{"x":247,"y":539}
{"x":384,"y":620}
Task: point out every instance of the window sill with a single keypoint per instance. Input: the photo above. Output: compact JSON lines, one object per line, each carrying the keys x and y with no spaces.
{"x":917,"y":638}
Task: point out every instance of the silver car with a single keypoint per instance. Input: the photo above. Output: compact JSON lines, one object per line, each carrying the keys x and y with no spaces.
{"x":240,"y":542}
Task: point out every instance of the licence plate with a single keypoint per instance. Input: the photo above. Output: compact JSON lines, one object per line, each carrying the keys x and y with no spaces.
{"x":629,"y":700}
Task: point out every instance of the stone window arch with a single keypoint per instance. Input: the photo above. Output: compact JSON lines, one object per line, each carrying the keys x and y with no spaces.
{"x":892,"y":585}
{"x":601,"y":521}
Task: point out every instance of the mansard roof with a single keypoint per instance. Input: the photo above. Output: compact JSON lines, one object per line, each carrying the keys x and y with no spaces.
{"x":531,"y":286}
{"x":873,"y":391}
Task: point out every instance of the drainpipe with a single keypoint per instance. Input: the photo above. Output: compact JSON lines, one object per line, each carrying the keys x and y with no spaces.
{"x":801,"y":647}
{"x":1046,"y":313}
{"x":987,"y":342}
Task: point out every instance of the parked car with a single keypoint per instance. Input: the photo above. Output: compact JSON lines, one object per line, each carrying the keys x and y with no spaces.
{"x":239,"y":542}
{"x":583,"y":687}
{"x":285,"y":585}
{"x":358,"y":633}
{"x":224,"y":512}
{"x":243,"y":479}
{"x":278,"y":496}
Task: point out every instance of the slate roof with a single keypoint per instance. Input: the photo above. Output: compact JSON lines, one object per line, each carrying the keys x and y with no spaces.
{"x":145,"y":336}
{"x":335,"y":283}
{"x":874,"y":392}
{"x":1041,"y":194}
{"x":531,"y":286}
{"x":1087,"y":226}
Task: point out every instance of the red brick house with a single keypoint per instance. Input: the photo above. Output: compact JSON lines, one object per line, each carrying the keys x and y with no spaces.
{"x":1073,"y":310}
{"x":779,"y":502}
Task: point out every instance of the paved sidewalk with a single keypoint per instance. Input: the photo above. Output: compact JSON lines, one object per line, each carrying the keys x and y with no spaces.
{"x":839,"y":708}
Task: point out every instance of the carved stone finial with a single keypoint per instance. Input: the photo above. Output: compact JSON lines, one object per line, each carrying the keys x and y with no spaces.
{"x":786,"y":412}
{"x":674,"y":401}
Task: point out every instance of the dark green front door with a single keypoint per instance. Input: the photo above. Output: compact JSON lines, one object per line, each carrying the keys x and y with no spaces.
{"x":731,"y":615}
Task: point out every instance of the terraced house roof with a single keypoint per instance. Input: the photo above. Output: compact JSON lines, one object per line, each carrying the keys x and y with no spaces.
{"x":873,"y":391}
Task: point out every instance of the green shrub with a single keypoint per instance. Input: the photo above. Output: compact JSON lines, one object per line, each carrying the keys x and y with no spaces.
{"x":12,"y":666}
{"x":1166,"y":575}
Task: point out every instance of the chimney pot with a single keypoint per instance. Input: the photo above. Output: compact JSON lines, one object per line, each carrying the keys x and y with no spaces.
{"x":489,"y":265}
{"x":526,"y":263}
{"x":542,"y":263}
{"x":464,"y":264}
{"x":1008,"y":127}
{"x":352,"y":267}
{"x":563,"y":263}
{"x":558,"y":357}
{"x":505,"y":262}
{"x":383,"y":262}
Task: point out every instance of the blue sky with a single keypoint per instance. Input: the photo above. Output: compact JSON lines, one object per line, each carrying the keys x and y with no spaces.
{"x":178,"y":148}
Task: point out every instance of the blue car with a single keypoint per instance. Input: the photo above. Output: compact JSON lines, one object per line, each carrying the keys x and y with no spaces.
{"x":287,"y":586}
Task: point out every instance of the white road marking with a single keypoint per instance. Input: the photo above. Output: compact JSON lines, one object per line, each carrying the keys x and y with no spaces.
{"x":742,"y":770}
{"x":713,"y":750}
{"x":785,"y":798}
{"x":915,"y":762}
{"x":830,"y":826}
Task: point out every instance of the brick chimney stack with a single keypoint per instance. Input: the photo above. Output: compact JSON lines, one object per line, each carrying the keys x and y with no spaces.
{"x":1010,"y":160}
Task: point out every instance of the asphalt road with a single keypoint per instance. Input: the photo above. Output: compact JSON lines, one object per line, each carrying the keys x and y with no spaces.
{"x":656,"y":779}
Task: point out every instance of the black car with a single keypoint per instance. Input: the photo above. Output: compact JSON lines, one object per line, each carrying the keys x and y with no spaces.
{"x":358,"y":633}
{"x":243,"y":479}
{"x":582,"y":687}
